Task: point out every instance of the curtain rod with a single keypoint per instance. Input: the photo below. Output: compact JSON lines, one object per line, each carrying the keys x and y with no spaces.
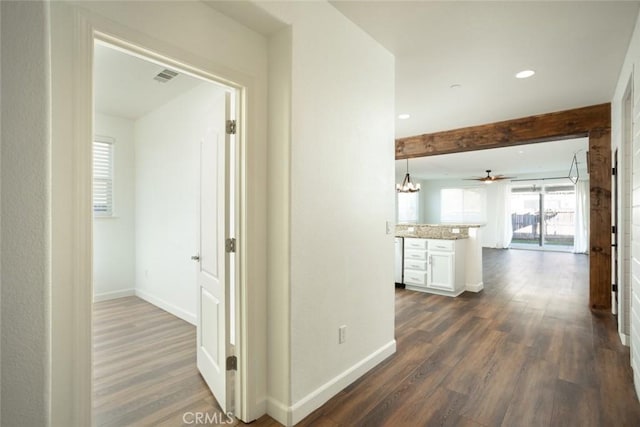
{"x":540,"y":179}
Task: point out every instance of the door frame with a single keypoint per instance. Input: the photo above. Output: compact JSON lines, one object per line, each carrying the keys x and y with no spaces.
{"x":132,"y":50}
{"x":625,"y":151}
{"x":72,"y":331}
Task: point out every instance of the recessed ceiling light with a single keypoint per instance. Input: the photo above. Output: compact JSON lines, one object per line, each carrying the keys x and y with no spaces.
{"x":455,"y":86}
{"x":404,"y":116}
{"x":524,"y":74}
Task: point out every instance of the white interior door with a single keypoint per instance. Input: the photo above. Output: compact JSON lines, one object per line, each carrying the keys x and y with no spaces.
{"x":213,"y":322}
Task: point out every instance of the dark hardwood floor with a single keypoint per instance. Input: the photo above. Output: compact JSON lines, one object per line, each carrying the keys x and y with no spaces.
{"x":526,"y":351}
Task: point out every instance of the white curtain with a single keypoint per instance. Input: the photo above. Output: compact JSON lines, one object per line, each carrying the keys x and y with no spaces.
{"x":581,"y":240}
{"x":504,"y":229}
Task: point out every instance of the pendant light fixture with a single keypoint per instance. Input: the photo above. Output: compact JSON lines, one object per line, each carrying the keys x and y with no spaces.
{"x":574,"y":173}
{"x":407,"y":186}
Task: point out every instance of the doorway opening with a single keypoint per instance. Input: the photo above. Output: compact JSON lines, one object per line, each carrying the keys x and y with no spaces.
{"x":165,"y":179}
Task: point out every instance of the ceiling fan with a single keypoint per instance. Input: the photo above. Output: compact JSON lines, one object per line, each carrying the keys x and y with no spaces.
{"x":489,"y":179}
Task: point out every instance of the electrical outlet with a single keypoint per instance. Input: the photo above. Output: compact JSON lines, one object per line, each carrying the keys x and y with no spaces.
{"x":455,"y":230}
{"x":342,"y":334}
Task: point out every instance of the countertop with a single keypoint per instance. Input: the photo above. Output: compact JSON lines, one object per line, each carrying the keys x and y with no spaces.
{"x":423,"y":236}
{"x":434,"y":231}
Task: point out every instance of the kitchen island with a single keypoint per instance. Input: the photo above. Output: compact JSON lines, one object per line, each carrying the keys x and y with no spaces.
{"x":442,"y":259}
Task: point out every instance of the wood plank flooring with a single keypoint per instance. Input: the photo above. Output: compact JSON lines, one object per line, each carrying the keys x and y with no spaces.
{"x":526,"y":351}
{"x":144,"y":366}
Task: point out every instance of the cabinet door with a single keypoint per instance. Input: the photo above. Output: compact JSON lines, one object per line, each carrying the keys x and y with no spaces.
{"x":441,"y":270}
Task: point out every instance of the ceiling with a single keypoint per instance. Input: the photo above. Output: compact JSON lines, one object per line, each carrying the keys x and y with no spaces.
{"x":547,"y":158}
{"x":124,"y":84}
{"x":575,"y":47}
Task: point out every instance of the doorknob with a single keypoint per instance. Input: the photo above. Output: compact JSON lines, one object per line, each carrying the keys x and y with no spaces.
{"x":195,"y":257}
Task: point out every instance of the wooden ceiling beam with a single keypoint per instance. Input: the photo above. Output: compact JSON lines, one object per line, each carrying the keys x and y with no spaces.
{"x":555,"y":126}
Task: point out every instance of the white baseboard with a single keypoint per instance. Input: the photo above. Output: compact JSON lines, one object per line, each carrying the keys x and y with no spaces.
{"x":166,"y":306}
{"x":291,"y":415}
{"x":279,"y":411}
{"x":624,"y":339}
{"x":258,"y":410}
{"x":104,"y":296}
{"x":475,"y":288}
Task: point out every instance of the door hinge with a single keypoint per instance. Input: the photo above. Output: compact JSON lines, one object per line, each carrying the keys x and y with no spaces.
{"x":614,"y":288}
{"x":230,"y":245}
{"x":231,"y":127}
{"x":614,"y":230}
{"x":614,"y":171}
{"x":232,"y":363}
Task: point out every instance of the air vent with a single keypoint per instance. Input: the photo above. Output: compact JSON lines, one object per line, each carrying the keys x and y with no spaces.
{"x":165,"y":75}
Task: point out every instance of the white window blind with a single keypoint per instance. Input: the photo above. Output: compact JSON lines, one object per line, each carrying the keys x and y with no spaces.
{"x":463,"y":205}
{"x":103,"y":177}
{"x":408,"y":208}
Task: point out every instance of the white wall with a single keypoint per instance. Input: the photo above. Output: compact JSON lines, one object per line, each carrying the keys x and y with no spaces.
{"x":341,"y":194}
{"x":25,"y":216}
{"x":113,"y":237}
{"x":279,"y":232}
{"x":201,"y":38}
{"x":167,"y":164}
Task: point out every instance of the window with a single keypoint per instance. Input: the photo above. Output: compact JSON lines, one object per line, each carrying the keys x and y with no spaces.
{"x":556,"y":227}
{"x":407,"y":208}
{"x":103,"y":176}
{"x":463,"y":205}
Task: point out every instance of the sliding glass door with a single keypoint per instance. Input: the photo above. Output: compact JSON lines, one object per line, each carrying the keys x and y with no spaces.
{"x":525,"y":216}
{"x":543,"y":216}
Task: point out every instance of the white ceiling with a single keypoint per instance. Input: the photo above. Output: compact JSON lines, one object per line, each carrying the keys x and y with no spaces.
{"x":575,"y":47}
{"x":549,"y":158}
{"x":124,"y":84}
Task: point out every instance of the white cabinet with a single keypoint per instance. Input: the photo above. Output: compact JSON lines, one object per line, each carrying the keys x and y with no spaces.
{"x":441,"y":270}
{"x":415,"y":263}
{"x":435,"y":266}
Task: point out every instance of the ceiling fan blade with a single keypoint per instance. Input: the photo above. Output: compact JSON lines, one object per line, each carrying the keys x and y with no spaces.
{"x":489,"y":177}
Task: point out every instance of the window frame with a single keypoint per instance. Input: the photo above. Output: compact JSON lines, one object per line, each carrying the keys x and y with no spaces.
{"x":465,"y":217}
{"x":400,"y":219}
{"x":108,"y":180}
